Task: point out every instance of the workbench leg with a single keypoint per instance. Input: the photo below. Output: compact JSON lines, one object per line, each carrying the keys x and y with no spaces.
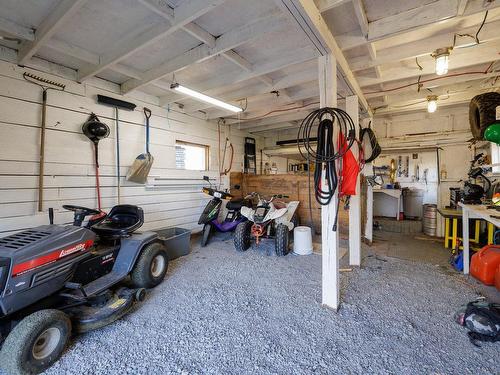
{"x":465,"y":230}
{"x":476,"y":231}
{"x":490,"y":233}
{"x":454,"y":234}
{"x":446,"y":232}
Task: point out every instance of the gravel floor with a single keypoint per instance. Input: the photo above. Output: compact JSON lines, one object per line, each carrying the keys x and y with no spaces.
{"x":219,"y":312}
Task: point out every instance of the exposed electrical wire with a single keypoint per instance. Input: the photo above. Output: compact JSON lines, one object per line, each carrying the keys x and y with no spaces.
{"x":432,"y":79}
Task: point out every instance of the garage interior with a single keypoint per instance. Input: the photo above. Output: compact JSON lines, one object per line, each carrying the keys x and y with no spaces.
{"x":266,"y":186}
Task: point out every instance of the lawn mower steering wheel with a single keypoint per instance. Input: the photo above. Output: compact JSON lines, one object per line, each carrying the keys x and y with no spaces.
{"x":80,"y":213}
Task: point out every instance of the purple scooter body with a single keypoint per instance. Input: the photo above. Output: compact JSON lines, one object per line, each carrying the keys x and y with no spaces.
{"x":210,"y":214}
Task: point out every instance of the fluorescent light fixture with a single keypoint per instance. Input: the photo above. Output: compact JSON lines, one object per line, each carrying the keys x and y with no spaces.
{"x":432,"y":103}
{"x":205,"y":98}
{"x":442,"y":56}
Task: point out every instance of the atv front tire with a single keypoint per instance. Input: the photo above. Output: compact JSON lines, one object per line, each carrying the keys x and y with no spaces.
{"x":36,"y":343}
{"x":282,"y":240}
{"x":151,"y":266}
{"x":242,"y":237}
{"x":207,"y":228}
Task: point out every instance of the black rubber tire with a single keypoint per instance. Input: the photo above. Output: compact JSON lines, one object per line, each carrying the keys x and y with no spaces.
{"x":242,"y":236}
{"x":282,"y":240}
{"x":205,"y":235}
{"x":141,"y":275}
{"x":482,"y":112}
{"x":16,"y":356}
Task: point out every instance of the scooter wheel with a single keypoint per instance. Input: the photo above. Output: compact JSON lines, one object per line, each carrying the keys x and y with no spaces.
{"x":140,"y":294}
{"x":36,"y":343}
{"x":207,"y":228}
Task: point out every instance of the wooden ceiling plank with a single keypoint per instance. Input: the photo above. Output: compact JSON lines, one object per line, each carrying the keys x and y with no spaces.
{"x":15,"y":30}
{"x":63,"y":11}
{"x":224,"y":43}
{"x":187,"y":12}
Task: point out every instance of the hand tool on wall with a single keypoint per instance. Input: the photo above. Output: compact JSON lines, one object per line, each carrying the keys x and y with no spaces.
{"x":95,"y":130}
{"x":139,"y":170}
{"x":46,"y":85}
{"x":116,"y":103}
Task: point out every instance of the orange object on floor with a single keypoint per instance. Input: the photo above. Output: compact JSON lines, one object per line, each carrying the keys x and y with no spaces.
{"x":484,"y":264}
{"x":497,"y":278}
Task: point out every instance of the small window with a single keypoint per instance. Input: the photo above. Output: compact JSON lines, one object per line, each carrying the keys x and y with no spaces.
{"x":191,"y":156}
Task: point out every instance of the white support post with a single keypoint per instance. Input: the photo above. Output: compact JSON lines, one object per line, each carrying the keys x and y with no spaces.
{"x":329,"y":239}
{"x":352,"y":109}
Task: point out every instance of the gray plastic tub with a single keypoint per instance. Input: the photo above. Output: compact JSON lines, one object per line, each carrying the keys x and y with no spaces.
{"x":176,"y":240}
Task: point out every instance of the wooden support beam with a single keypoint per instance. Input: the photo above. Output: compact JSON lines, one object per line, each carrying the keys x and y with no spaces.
{"x":184,"y":14}
{"x":276,"y":63}
{"x":424,"y":47}
{"x":352,"y":109}
{"x":224,"y":43}
{"x":413,"y":18}
{"x":330,"y":245}
{"x":309,"y":19}
{"x":359,"y":10}
{"x":462,"y":5}
{"x":63,"y":11}
{"x":275,"y":127}
{"x":325,"y":5}
{"x":162,"y":9}
{"x":460,"y":58}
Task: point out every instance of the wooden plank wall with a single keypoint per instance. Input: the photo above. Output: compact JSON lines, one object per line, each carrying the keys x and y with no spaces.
{"x":296,"y":187}
{"x":69,"y":174}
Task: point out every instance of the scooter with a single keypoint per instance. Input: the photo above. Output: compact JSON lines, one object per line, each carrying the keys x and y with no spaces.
{"x":59,"y":279}
{"x":210,"y":215}
{"x":270,"y":219}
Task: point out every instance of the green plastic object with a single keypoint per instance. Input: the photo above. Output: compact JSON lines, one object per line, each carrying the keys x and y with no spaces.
{"x":492,"y":133}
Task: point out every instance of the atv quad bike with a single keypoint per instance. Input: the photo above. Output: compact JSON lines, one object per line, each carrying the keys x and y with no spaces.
{"x":270,"y":219}
{"x":55,"y":280}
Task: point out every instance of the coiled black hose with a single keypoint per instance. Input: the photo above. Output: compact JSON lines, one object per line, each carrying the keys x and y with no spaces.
{"x":325,"y":153}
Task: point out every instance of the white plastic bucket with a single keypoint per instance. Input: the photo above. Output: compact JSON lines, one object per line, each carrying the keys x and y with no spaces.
{"x":302,"y":241}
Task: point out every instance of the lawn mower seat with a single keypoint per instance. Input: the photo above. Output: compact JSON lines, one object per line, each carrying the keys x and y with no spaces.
{"x":236,"y":204}
{"x":121,"y":221}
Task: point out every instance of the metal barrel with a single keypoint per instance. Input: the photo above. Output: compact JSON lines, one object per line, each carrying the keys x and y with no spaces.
{"x":430,"y":219}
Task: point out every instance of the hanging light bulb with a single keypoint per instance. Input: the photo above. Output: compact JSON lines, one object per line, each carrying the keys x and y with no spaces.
{"x":432,"y":103}
{"x":442,"y":57}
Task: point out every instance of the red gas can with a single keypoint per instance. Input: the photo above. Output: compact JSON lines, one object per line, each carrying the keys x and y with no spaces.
{"x":497,"y":278}
{"x":484,"y":264}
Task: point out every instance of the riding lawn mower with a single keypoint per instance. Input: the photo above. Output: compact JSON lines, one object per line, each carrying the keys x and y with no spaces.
{"x":56,"y":279}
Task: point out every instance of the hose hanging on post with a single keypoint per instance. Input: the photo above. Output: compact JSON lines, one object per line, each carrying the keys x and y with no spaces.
{"x":326,"y":154}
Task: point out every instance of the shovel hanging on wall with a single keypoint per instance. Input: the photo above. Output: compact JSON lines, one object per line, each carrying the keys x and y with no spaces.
{"x":139,"y":170}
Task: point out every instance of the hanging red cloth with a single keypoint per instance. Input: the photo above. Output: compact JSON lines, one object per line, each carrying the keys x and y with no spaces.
{"x":350,"y":169}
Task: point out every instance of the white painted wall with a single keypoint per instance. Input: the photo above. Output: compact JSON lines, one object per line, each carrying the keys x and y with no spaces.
{"x":447,"y":128}
{"x":69,"y":176}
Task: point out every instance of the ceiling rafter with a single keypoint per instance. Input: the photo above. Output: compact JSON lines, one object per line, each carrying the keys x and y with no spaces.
{"x":326,"y":5}
{"x":309,"y":19}
{"x":425,"y":47}
{"x":483,"y":54}
{"x":184,"y":14}
{"x":62,"y":12}
{"x":163,"y":9}
{"x":15,"y":30}
{"x":225,"y":42}
{"x":257,"y":90}
{"x":214,"y":84}
{"x":356,"y":39}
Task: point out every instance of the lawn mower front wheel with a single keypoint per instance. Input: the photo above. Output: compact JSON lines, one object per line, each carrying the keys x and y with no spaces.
{"x":36,"y":343}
